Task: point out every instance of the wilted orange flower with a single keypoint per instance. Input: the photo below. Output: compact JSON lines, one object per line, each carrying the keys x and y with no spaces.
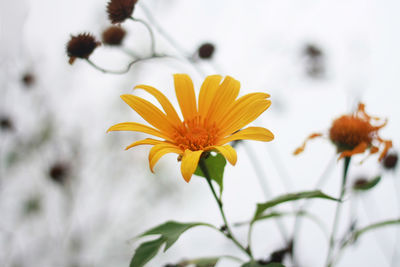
{"x":355,"y":133}
{"x":207,"y":125}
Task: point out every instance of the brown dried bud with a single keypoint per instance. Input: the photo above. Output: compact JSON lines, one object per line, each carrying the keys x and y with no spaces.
{"x":59,"y":172}
{"x":206,"y":51}
{"x":113,"y":35}
{"x":28,"y":79}
{"x":120,"y":10}
{"x":390,"y":161}
{"x":360,"y":183}
{"x":6,"y":124}
{"x":81,"y":46}
{"x":312,"y":51}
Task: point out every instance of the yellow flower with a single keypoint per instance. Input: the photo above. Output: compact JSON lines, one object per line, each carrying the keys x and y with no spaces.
{"x":353,"y":134}
{"x":216,"y":120}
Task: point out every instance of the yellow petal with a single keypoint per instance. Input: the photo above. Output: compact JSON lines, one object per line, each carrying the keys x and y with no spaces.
{"x":136,"y":127}
{"x":250,"y":133}
{"x":147,"y":141}
{"x":190,"y":160}
{"x":228,"y":152}
{"x":207,"y":92}
{"x":163,"y":100}
{"x":185,"y":94}
{"x":245,"y":116}
{"x":223,"y":99}
{"x":160,"y":150}
{"x":149,"y":112}
{"x":240,"y":106}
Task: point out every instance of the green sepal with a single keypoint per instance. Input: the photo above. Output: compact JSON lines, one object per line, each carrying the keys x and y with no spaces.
{"x":215,"y":166}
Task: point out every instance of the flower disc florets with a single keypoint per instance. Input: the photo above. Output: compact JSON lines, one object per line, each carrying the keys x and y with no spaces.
{"x":120,"y":10}
{"x":355,"y":133}
{"x":81,"y":46}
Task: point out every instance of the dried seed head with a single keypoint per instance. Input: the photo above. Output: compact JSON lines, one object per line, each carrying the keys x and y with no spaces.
{"x":28,"y":79}
{"x":360,"y":183}
{"x":390,"y":161}
{"x":313,"y":51}
{"x":59,"y":172}
{"x":81,"y":46}
{"x":6,"y":123}
{"x":120,"y":10}
{"x":113,"y":35}
{"x":206,"y":51}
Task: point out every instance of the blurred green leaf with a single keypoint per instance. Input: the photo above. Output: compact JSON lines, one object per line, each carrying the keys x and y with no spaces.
{"x":261,"y":207}
{"x":169,"y":233}
{"x":215,"y":166}
{"x":368,"y":228}
{"x":256,"y":264}
{"x":368,"y":184}
{"x":146,"y":251}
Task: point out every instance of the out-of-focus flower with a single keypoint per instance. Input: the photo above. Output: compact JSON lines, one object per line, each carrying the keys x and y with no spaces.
{"x":113,"y":35}
{"x":59,"y":172}
{"x":28,"y":79}
{"x":314,"y":60}
{"x":206,"y":51}
{"x":207,"y":125}
{"x":120,"y":10}
{"x":390,"y":161}
{"x":6,"y":123}
{"x":353,"y":134}
{"x":81,"y":46}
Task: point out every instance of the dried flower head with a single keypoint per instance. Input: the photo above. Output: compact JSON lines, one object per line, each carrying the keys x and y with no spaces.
{"x":120,"y":10}
{"x":6,"y":123}
{"x":390,"y":161}
{"x":313,"y":51}
{"x":355,"y":133}
{"x":113,"y":35}
{"x":210,"y":123}
{"x":206,"y":51}
{"x":58,"y":172}
{"x":81,"y":46}
{"x":28,"y":79}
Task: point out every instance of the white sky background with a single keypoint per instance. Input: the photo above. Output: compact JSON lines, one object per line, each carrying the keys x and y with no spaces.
{"x":115,"y":197}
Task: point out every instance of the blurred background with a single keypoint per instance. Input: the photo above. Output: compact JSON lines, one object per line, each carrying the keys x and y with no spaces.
{"x":70,"y":196}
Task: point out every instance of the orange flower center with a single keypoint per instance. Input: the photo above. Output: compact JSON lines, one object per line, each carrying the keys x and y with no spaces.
{"x":349,"y":131}
{"x":195,"y":134}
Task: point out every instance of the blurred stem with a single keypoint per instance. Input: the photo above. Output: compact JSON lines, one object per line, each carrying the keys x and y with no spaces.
{"x":297,"y":223}
{"x":262,"y":180}
{"x":128,"y":67}
{"x":228,"y":232}
{"x":170,"y":39}
{"x":153,"y":42}
{"x":346,"y":165}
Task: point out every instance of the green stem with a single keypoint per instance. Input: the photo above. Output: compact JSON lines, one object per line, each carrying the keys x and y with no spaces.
{"x":329,"y":262}
{"x":153,"y":42}
{"x":228,"y":232}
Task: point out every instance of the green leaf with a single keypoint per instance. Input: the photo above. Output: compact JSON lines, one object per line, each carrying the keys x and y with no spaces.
{"x":261,"y":207}
{"x":256,"y":264}
{"x":146,"y":251}
{"x":367,"y":185}
{"x":169,"y":233}
{"x":215,"y":166}
{"x":368,"y":228}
